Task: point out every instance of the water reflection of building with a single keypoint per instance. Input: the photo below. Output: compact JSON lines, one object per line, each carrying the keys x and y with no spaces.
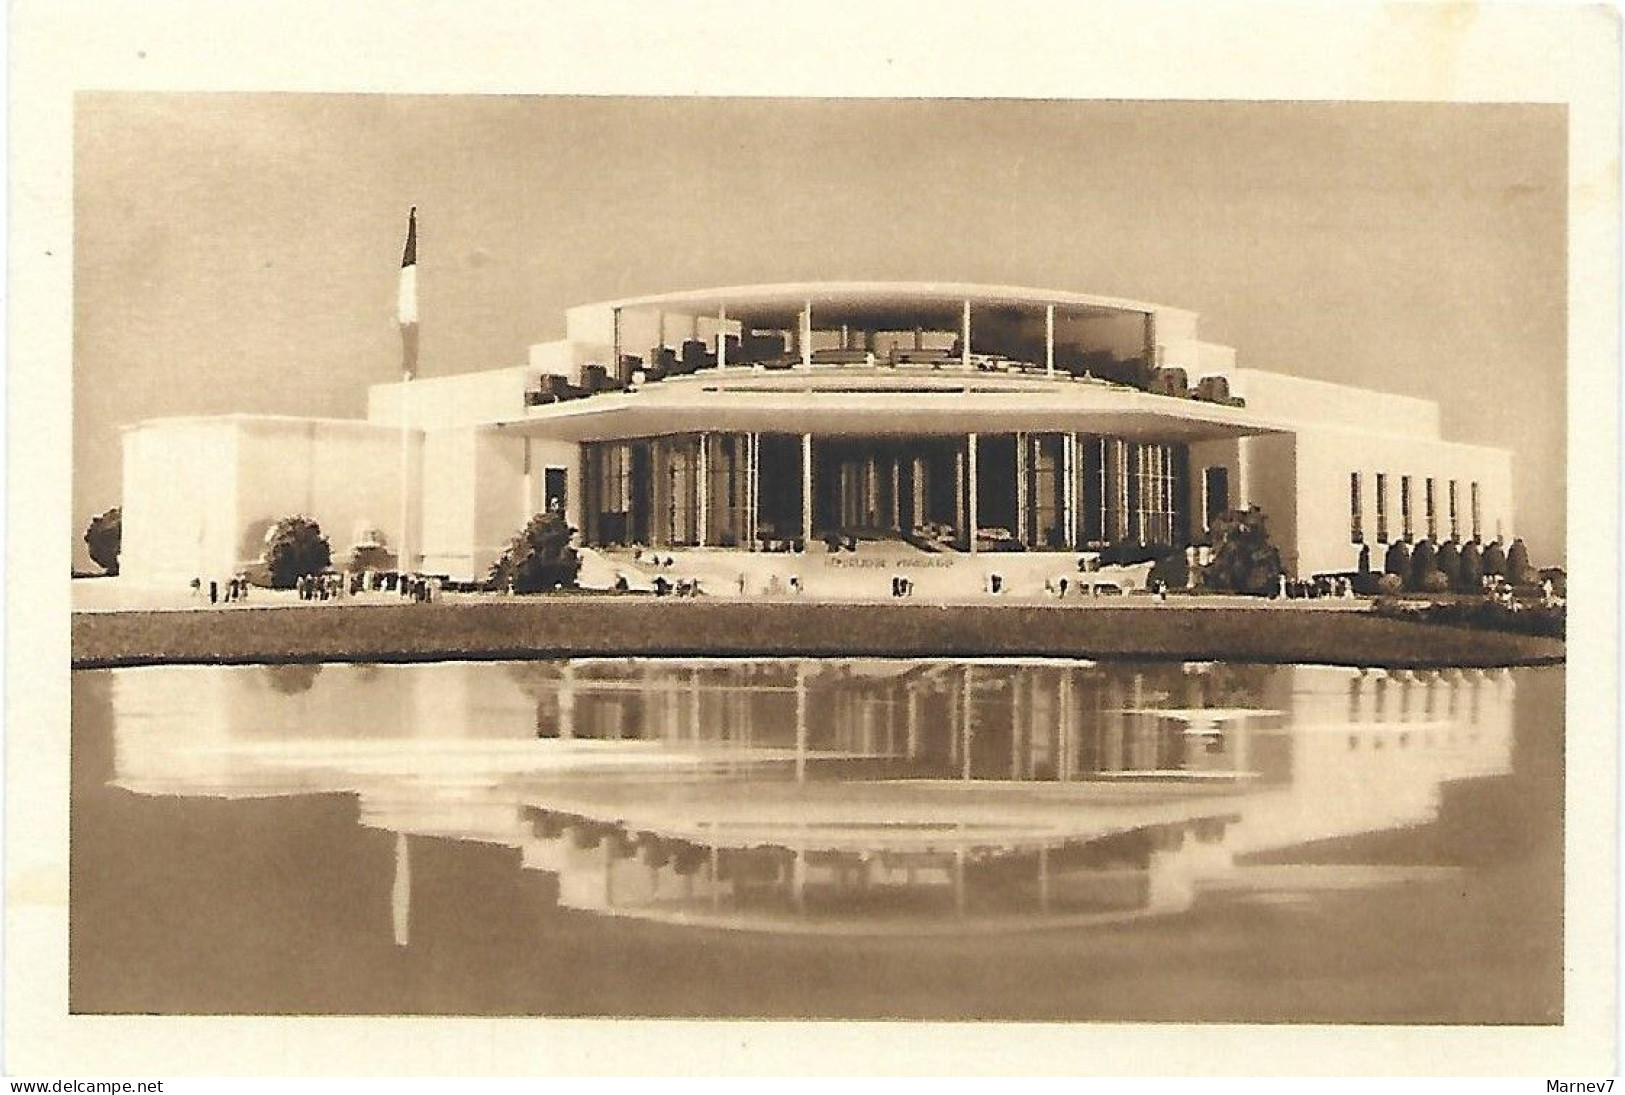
{"x":806,"y":794}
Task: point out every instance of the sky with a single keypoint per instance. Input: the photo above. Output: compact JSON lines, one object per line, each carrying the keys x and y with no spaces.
{"x":240,"y":252}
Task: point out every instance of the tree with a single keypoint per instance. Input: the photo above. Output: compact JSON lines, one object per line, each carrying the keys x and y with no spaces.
{"x":1472,"y":568}
{"x":1423,"y":563}
{"x":104,"y":537}
{"x":1244,"y":560}
{"x":295,"y":548}
{"x":1398,"y":560}
{"x":1519,"y":572}
{"x":539,"y":557}
{"x":1449,"y":563}
{"x":1495,"y":559}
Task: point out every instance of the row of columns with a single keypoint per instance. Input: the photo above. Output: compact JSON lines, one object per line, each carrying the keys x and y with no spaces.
{"x":1053,"y":518}
{"x":967,"y":486}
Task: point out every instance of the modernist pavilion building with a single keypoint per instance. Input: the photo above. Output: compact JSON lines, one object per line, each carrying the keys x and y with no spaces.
{"x":934,"y":423}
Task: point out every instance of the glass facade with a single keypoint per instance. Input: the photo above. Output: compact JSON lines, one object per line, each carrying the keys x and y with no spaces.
{"x":1043,"y":491}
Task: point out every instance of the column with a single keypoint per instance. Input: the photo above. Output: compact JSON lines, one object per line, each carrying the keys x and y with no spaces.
{"x":1049,"y":339}
{"x":964,"y":336}
{"x":1069,"y":488}
{"x":896,"y":492}
{"x":1023,"y":477}
{"x":970,"y":520}
{"x":806,"y":336}
{"x":400,"y":892}
{"x":967,"y":724}
{"x":615,"y":369}
{"x":871,"y":490}
{"x":801,"y":722}
{"x":527,"y":487}
{"x":1241,"y":495}
{"x":806,"y":492}
{"x":917,"y":484}
{"x":1063,"y":736}
{"x":1020,"y":717}
{"x":754,"y":489}
{"x":722,"y":336}
{"x":959,"y":494}
{"x":716,"y":878}
{"x":567,"y":702}
{"x":702,"y":519}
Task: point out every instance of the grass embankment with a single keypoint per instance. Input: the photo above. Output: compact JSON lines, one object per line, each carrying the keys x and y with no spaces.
{"x":637,"y":626}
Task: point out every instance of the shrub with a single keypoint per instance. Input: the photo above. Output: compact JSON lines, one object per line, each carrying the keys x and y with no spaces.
{"x":372,"y":557}
{"x":1559,"y":579}
{"x":104,"y":538}
{"x":1244,"y":560}
{"x":1390,"y":585}
{"x":1173,"y":570}
{"x":1449,"y":563}
{"x":1364,"y":565}
{"x":1519,"y":572}
{"x":1495,"y":559}
{"x":294,"y":548}
{"x":1434,"y":581}
{"x":1485,"y":615}
{"x":1471,"y":579}
{"x":1398,"y":560}
{"x":1422,"y":564}
{"x":539,"y":557}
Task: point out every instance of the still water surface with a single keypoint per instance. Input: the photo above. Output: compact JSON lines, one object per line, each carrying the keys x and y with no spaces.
{"x":844,"y":839}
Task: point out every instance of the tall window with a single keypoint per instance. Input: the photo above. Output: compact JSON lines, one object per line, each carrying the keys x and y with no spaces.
{"x":1478,"y":517}
{"x":1382,"y":508}
{"x":609,"y":500}
{"x":1455,"y":513}
{"x":1215,"y":492}
{"x":1405,"y":505}
{"x":1432,"y":511}
{"x":1356,"y":510}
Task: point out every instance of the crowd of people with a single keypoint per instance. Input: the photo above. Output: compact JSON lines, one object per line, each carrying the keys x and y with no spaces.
{"x":1325,"y":585}
{"x":231,"y":591}
{"x":330,"y":586}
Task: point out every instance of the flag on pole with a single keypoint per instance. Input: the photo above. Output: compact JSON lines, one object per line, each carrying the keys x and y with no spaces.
{"x":407,"y":304}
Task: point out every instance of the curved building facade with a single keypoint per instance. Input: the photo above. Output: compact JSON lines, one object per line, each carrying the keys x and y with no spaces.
{"x":954,"y":421}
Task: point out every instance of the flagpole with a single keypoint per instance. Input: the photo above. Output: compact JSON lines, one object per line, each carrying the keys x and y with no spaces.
{"x":407,"y":307}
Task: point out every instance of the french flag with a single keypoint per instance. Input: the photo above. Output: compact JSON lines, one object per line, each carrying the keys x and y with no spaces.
{"x":407,"y":304}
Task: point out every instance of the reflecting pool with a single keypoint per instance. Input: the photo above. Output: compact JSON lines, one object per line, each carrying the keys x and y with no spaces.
{"x":848,"y":839}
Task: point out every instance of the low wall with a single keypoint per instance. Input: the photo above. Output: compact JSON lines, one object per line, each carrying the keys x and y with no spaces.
{"x":641,"y":626}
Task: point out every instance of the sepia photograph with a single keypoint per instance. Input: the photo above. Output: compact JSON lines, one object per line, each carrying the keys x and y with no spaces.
{"x":1002,"y":560}
{"x":527,"y":626}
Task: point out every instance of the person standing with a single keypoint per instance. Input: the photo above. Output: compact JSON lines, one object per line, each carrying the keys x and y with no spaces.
{"x":214,"y":591}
